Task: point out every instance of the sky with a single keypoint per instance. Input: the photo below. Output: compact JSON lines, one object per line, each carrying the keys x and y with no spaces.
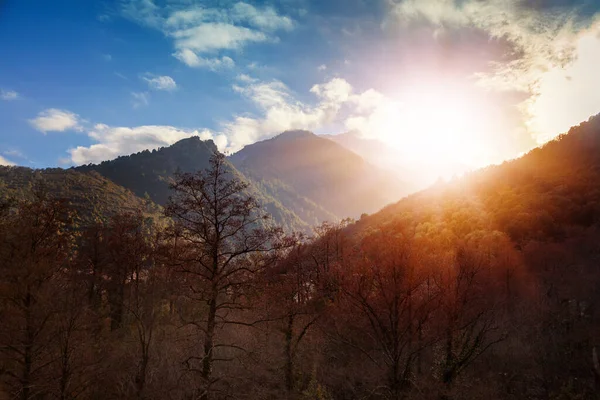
{"x":464,"y":81}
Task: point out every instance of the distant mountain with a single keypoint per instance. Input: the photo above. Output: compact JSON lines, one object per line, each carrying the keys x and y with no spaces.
{"x":94,"y":197}
{"x":374,"y":151}
{"x":325,"y":173}
{"x":149,"y":173}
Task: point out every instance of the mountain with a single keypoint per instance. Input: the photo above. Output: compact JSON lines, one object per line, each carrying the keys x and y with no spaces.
{"x":300,"y":178}
{"x":320,"y":170}
{"x":374,"y":151}
{"x":149,"y":173}
{"x":93,"y":196}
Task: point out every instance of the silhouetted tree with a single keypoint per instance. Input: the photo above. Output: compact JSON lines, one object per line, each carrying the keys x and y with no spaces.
{"x":222,"y":242}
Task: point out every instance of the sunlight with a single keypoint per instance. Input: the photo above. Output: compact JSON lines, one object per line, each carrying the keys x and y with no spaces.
{"x":438,"y":126}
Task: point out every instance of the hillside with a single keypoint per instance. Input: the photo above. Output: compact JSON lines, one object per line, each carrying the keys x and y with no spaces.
{"x":337,"y":179}
{"x":94,"y":197}
{"x":148,"y":173}
{"x":548,"y":194}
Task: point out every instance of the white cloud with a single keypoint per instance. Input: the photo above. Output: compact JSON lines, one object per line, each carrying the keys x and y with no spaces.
{"x":563,"y":97}
{"x":8,"y":95}
{"x":191,"y":59}
{"x":55,"y":120}
{"x":539,"y":38}
{"x":336,"y":90}
{"x":266,"y":94}
{"x":197,"y":30}
{"x":553,"y":55}
{"x":161,"y":82}
{"x":246,"y":78}
{"x":107,"y":57}
{"x":4,"y":161}
{"x":140,"y":99}
{"x":210,"y":37}
{"x":281,"y":111}
{"x":266,"y":19}
{"x":322,"y":67}
{"x":116,"y":141}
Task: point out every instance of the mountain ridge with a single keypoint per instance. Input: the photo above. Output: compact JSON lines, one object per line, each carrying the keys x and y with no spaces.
{"x":325,"y":172}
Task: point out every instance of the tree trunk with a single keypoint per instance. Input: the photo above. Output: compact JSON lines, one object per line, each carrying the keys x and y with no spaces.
{"x":289,"y":356}
{"x":448,"y":375}
{"x":65,"y":373}
{"x":596,"y":363}
{"x":28,"y":349}
{"x":116,"y":306}
{"x":207,"y":361}
{"x":141,"y":377}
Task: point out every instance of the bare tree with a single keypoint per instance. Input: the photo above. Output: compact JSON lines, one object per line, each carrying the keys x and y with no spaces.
{"x":35,"y":248}
{"x":385,"y":302}
{"x":473,"y":298}
{"x":294,"y":296}
{"x":222,"y":241}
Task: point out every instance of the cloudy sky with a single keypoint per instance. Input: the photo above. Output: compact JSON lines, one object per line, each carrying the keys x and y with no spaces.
{"x":471,"y":81}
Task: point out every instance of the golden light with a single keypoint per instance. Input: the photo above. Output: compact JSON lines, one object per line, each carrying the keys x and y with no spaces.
{"x":437,"y":126}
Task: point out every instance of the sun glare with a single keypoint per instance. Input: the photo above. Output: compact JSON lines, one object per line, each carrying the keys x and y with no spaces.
{"x":438,"y":127}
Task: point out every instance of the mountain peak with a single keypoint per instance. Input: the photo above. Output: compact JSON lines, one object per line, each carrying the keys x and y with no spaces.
{"x":295,"y":134}
{"x":194,"y":141}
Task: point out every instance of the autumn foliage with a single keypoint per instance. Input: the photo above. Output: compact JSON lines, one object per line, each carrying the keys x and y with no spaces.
{"x":475,"y":289}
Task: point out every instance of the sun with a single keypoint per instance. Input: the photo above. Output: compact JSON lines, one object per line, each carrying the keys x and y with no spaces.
{"x":436,"y":126}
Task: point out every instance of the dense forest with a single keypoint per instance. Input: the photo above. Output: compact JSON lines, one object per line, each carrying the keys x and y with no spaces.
{"x":485,"y":287}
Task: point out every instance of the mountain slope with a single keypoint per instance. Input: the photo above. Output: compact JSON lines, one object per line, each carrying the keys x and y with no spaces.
{"x":149,"y":173}
{"x":337,"y":179}
{"x":548,"y":194}
{"x":93,"y":196}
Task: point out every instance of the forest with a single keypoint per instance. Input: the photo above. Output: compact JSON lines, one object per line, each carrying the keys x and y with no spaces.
{"x":482,"y":287}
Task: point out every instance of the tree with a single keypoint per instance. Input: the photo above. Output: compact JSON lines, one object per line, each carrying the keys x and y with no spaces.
{"x":128,"y":254}
{"x":92,"y":260}
{"x":35,"y":246}
{"x":473,"y":296}
{"x":223,"y":240}
{"x":294,"y":295}
{"x":385,"y":301}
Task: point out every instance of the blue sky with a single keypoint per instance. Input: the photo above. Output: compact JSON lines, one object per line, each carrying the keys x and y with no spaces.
{"x":86,"y":81}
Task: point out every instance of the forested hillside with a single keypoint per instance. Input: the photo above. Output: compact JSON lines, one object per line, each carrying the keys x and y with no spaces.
{"x":149,"y":173}
{"x":534,"y":224}
{"x":485,"y":287}
{"x":91,"y":195}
